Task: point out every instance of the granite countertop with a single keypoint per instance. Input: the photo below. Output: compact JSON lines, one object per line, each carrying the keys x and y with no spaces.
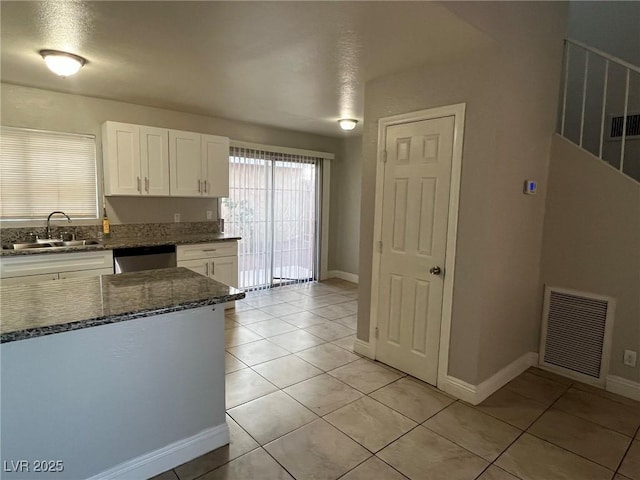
{"x":111,"y":243}
{"x":45,"y":308}
{"x":176,"y":239}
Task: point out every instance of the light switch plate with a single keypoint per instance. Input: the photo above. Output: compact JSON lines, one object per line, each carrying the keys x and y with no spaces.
{"x":209,"y":214}
{"x":176,"y":217}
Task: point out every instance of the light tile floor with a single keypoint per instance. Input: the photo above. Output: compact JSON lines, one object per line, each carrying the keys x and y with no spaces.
{"x":301,"y":404}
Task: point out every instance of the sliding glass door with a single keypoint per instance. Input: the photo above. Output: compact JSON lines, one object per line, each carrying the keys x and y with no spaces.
{"x":273,"y":205}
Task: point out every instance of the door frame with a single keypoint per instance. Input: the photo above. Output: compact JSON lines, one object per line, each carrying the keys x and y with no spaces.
{"x":458,"y":112}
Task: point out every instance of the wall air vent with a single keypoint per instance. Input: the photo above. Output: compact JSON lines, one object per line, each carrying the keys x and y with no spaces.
{"x":576,"y":334}
{"x":616,"y":125}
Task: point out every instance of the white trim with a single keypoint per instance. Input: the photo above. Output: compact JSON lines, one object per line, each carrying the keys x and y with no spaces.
{"x":285,"y":150}
{"x":324,"y":226}
{"x":349,"y":277}
{"x":363,"y":348}
{"x":168,"y":457}
{"x":457,"y":111}
{"x":624,"y":387}
{"x":476,"y":394}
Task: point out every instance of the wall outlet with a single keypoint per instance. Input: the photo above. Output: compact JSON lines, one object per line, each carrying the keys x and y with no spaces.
{"x":629,"y":358}
{"x":209,"y":214}
{"x":176,"y":217}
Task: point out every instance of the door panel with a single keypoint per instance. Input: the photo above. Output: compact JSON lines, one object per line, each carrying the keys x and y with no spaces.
{"x":414,"y":226}
{"x":225,"y":270}
{"x":122,"y":159}
{"x":215,"y":162}
{"x":154,"y":153}
{"x":185,"y":164}
{"x":200,"y":266}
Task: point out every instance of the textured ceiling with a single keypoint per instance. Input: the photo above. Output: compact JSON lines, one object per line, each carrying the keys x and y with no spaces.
{"x":294,"y":65}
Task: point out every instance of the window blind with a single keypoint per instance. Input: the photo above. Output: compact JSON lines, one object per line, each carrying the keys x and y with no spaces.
{"x":273,"y":205}
{"x":42,"y":171}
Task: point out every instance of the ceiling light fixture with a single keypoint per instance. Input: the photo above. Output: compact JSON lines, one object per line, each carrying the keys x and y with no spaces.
{"x":347,"y":123}
{"x":62,"y":63}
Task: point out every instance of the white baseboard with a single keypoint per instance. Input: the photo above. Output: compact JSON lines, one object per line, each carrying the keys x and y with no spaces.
{"x":349,"y":277}
{"x":363,"y":348}
{"x":475,"y":394}
{"x":166,"y":458}
{"x":624,"y":387}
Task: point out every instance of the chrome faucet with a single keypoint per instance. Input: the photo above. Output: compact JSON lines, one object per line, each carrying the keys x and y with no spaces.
{"x":49,"y":221}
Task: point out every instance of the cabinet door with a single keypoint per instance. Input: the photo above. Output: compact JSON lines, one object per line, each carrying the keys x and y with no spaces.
{"x":86,"y":273}
{"x":215,"y":164}
{"x":200,"y":266}
{"x":185,"y":164}
{"x":154,"y":158}
{"x":225,"y":270}
{"x":121,"y":159}
{"x":29,"y":279}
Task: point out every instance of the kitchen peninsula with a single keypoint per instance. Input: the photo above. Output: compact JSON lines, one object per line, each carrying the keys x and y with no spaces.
{"x":118,"y":376}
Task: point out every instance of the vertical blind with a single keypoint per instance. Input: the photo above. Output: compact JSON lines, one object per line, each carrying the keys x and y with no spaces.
{"x":273,"y":205}
{"x":42,"y":171}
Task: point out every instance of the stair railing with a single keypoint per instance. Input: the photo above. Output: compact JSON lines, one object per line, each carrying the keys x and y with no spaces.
{"x":573,"y":124}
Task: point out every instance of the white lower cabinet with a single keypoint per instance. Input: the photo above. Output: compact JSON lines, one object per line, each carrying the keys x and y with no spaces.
{"x":36,"y":268}
{"x":218,"y":261}
{"x":198,"y":266}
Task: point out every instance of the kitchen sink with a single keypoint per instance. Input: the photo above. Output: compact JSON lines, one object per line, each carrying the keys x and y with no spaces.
{"x":50,"y":244}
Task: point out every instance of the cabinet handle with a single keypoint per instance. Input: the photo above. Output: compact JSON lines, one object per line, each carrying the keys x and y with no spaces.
{"x":146,"y":184}
{"x":207,"y":269}
{"x":138,"y":183}
{"x":199,"y":185}
{"x":205,"y":186}
{"x":213,"y":268}
{"x":209,"y":249}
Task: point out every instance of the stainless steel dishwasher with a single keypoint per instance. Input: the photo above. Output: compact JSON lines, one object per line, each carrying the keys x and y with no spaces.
{"x":144,"y":258}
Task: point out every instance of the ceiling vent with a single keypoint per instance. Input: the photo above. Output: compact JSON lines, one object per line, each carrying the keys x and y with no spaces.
{"x":576,"y":334}
{"x":616,"y":126}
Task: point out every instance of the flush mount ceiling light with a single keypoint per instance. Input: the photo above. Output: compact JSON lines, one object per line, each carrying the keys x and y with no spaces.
{"x":62,"y":63}
{"x":347,"y":123}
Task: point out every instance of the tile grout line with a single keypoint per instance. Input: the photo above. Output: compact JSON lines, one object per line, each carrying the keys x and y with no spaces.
{"x":624,"y":457}
{"x":551,"y":443}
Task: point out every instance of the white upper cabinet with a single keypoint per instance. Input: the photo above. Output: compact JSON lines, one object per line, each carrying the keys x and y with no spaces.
{"x":121,"y":158}
{"x":185,"y":164}
{"x":159,"y":162}
{"x":199,"y":164}
{"x":215,"y":166}
{"x":154,"y":153}
{"x":136,"y":159}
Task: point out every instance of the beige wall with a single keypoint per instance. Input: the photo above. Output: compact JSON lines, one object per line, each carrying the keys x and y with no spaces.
{"x":47,"y":110}
{"x":592,"y":240}
{"x":344,"y":229}
{"x":511,"y":92}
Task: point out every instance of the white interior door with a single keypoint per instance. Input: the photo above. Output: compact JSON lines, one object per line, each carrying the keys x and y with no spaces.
{"x":417,"y":178}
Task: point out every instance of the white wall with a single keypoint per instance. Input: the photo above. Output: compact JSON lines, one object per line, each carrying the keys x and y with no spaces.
{"x":346,"y":177}
{"x":511,"y":91}
{"x":592,"y":240}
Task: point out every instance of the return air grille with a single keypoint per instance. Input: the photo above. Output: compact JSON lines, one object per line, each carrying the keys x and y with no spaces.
{"x":616,"y":126}
{"x":575,"y":332}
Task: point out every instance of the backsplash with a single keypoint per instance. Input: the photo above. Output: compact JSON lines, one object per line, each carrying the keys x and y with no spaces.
{"x":28,"y":234}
